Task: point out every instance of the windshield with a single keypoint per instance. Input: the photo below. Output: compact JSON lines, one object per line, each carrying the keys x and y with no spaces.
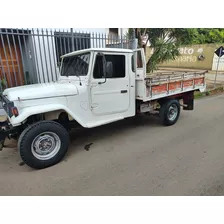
{"x":76,"y":65}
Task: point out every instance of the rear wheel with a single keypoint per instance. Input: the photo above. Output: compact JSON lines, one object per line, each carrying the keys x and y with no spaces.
{"x":43,"y":144}
{"x":169,"y":112}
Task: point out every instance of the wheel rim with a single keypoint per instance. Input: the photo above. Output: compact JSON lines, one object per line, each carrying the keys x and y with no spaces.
{"x":46,"y":145}
{"x":172,"y":112}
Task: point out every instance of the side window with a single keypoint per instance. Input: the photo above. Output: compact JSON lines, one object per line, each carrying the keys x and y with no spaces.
{"x":115,"y":67}
{"x":118,"y":65}
{"x":139,"y":60}
{"x":98,"y":68}
{"x":133,"y":63}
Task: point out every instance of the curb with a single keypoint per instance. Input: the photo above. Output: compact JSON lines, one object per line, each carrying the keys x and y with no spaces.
{"x":209,"y":92}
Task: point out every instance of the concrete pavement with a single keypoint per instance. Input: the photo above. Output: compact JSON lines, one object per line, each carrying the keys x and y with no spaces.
{"x":132,"y":157}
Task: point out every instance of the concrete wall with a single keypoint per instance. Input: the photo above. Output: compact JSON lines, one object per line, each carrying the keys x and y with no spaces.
{"x":189,"y":57}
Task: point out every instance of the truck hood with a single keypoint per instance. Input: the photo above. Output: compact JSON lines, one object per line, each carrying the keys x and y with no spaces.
{"x":37,"y":91}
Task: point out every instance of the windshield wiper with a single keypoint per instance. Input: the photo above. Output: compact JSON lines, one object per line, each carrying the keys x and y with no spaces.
{"x":80,"y":83}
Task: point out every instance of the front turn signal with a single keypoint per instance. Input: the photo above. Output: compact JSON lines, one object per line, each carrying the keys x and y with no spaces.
{"x":15,"y":111}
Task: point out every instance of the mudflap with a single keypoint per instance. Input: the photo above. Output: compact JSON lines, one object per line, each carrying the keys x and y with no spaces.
{"x":188,"y":100}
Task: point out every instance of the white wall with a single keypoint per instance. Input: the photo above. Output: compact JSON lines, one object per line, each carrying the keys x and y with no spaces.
{"x":215,"y":63}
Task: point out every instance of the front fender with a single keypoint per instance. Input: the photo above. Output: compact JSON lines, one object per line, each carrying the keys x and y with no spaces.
{"x":29,"y":111}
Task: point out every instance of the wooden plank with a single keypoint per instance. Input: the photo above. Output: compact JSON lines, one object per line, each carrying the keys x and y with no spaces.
{"x":174,"y":86}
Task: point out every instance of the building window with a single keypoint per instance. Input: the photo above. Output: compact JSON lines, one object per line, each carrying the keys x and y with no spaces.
{"x":113,"y":31}
{"x":116,"y":63}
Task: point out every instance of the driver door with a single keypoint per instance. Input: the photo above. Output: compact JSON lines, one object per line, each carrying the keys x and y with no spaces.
{"x":110,"y":95}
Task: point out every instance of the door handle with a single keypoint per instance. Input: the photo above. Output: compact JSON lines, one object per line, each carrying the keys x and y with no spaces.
{"x":124,"y":91}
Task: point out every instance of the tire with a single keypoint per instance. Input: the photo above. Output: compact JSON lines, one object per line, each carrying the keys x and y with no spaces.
{"x":43,"y":144}
{"x":169,"y":112}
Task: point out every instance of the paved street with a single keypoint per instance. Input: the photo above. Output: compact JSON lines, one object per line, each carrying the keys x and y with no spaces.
{"x":132,"y":157}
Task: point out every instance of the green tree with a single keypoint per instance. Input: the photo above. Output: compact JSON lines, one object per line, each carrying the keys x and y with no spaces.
{"x":215,"y":35}
{"x":205,"y":35}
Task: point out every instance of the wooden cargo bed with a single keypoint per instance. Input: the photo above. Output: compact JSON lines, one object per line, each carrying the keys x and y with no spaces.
{"x":163,"y":84}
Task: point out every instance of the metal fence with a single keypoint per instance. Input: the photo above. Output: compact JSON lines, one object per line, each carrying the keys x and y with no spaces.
{"x":29,"y":56}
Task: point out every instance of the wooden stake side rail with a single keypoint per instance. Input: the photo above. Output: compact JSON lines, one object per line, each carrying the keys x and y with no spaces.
{"x":174,"y":83}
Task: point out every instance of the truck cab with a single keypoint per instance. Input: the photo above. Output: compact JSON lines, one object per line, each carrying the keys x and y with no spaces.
{"x":106,"y":87}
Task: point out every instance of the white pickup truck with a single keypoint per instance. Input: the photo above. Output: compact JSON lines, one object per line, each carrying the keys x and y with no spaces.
{"x":95,"y":87}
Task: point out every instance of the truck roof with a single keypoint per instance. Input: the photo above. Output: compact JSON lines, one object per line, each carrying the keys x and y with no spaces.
{"x":118,"y":50}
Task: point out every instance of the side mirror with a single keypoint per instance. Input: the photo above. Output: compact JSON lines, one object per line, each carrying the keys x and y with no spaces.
{"x":104,"y":62}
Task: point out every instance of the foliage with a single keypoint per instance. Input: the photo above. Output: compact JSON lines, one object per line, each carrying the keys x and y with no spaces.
{"x":129,"y":33}
{"x":164,"y":41}
{"x":162,"y":52}
{"x":202,"y":35}
{"x":3,"y":84}
{"x":215,"y":35}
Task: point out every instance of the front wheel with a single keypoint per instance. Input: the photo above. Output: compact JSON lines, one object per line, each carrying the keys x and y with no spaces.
{"x":170,"y":112}
{"x":43,"y":144}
